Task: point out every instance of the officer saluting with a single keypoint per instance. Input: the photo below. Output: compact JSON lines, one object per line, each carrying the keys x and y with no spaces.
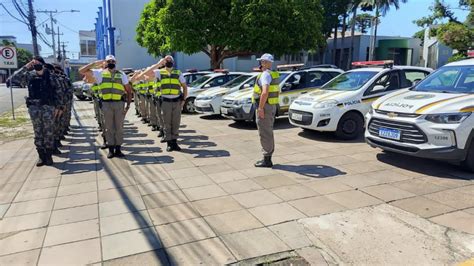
{"x":113,"y":86}
{"x":266,"y":97}
{"x":45,"y":103}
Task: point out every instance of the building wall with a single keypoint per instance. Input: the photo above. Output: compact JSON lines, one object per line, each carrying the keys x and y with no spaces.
{"x":125,"y":17}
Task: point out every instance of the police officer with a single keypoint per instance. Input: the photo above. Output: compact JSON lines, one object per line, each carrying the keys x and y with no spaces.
{"x":266,"y":96}
{"x":57,"y":125}
{"x":114,"y":86}
{"x":45,"y":103}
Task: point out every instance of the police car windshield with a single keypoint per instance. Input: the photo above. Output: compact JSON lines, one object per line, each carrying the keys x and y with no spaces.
{"x":349,"y":81}
{"x":199,"y":81}
{"x":236,"y":81}
{"x":449,"y":79}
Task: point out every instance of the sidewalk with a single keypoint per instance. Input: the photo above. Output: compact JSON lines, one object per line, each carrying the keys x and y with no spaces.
{"x":325,"y":202}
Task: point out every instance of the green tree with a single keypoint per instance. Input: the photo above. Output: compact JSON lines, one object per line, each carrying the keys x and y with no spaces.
{"x":363,"y":22}
{"x":229,"y":28}
{"x":23,"y":56}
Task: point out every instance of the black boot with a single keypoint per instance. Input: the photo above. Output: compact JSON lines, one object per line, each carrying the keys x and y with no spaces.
{"x":48,"y":157}
{"x":154,"y":128}
{"x":56,"y":151}
{"x":111,"y":152}
{"x":170,"y":146}
{"x":104,"y":144}
{"x":59,"y":144}
{"x":118,"y":152}
{"x":41,"y":160}
{"x":266,"y":162}
{"x":176,"y":146}
{"x":62,"y":137}
{"x":161,"y":134}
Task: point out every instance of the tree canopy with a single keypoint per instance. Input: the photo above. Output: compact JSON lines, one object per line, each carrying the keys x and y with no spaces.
{"x":228,"y":28}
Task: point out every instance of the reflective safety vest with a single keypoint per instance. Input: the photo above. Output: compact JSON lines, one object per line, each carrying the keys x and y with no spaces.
{"x":170,"y":84}
{"x":274,"y":89}
{"x":150,"y":88}
{"x":157,"y":87}
{"x":112,"y":87}
{"x":96,"y":90}
{"x":142,"y":87}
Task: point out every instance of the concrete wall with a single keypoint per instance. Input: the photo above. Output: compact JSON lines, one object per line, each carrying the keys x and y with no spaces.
{"x":125,"y":17}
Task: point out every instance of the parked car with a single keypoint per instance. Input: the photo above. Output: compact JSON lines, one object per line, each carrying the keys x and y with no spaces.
{"x":17,"y":81}
{"x":206,"y":82}
{"x":209,"y":101}
{"x":340,"y":105}
{"x":239,"y":107}
{"x":191,"y":75}
{"x":78,"y":91}
{"x":87,"y":90}
{"x":434,"y":119}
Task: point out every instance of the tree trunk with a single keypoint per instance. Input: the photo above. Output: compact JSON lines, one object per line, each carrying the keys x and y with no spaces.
{"x":214,"y":56}
{"x":343,"y":36}
{"x":374,"y":41}
{"x":31,"y":21}
{"x":351,"y":52}
{"x":334,"y":54}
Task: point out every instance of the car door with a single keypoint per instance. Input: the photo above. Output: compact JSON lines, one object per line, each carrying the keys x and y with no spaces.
{"x":386,"y":83}
{"x":294,"y":86}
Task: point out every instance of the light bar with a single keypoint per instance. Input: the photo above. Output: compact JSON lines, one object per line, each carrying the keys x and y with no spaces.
{"x":373,"y":63}
{"x":221,"y":70}
{"x":192,"y":70}
{"x":290,"y":66}
{"x":470,"y":53}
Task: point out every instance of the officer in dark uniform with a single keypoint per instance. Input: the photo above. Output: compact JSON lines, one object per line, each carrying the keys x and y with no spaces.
{"x":45,"y":104}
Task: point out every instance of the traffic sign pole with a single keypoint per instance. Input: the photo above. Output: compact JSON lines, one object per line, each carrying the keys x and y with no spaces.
{"x":11,"y":92}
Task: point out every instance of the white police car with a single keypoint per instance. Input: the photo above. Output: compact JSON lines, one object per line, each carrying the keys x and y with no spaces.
{"x":206,"y":82}
{"x":434,"y":119}
{"x":239,"y":107}
{"x":341,"y":104}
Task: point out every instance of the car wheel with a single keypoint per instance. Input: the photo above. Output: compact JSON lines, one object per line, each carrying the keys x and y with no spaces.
{"x":350,"y":126}
{"x":189,"y":106}
{"x":468,"y":164}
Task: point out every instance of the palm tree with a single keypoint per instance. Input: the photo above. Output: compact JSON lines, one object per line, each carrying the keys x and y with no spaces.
{"x":381,"y":8}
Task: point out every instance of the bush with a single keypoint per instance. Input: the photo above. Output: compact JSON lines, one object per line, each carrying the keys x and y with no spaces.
{"x":457,"y":57}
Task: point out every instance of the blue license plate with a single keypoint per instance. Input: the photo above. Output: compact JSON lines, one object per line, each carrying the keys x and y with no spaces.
{"x":389,"y":133}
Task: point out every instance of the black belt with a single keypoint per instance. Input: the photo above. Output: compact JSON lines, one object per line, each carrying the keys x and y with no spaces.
{"x":171,"y":100}
{"x":107,"y":101}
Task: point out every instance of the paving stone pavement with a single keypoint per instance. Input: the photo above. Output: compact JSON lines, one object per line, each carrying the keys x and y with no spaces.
{"x":329,"y":201}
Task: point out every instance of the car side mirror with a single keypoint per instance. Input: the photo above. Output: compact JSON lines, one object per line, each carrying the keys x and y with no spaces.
{"x":287,"y":86}
{"x":416,"y":81}
{"x":207,"y":86}
{"x":378,"y":88}
{"x":246,"y":86}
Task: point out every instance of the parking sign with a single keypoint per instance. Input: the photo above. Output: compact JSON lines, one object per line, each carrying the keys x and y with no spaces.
{"x":8,"y":57}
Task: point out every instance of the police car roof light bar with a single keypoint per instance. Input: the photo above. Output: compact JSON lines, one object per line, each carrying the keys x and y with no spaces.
{"x":192,"y":70}
{"x":470,"y":53}
{"x":384,"y":63}
{"x":290,"y":66}
{"x":221,"y":70}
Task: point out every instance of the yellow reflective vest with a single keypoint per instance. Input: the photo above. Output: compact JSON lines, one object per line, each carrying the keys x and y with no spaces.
{"x":112,"y":88}
{"x":170,"y":84}
{"x":157,"y":87}
{"x":96,"y":90}
{"x":274,"y":89}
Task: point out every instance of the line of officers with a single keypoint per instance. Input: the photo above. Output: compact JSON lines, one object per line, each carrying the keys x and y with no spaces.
{"x":49,"y":103}
{"x":159,"y":91}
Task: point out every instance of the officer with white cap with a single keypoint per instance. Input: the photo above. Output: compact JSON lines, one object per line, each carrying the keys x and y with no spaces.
{"x":266,"y":98}
{"x":114,"y":87}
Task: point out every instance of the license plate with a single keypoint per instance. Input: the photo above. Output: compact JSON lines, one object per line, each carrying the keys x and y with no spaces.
{"x":389,"y":133}
{"x":224,"y":111}
{"x":298,"y":117}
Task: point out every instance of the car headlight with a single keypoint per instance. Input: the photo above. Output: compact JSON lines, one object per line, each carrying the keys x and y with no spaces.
{"x":245,"y":101}
{"x":205,"y":98}
{"x":325,"y":104}
{"x":452,"y":118}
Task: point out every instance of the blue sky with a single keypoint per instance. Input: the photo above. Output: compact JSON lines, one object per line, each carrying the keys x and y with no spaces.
{"x":395,"y":23}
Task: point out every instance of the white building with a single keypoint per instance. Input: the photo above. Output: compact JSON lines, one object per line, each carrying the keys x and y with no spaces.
{"x":87,"y":45}
{"x":435,"y":54}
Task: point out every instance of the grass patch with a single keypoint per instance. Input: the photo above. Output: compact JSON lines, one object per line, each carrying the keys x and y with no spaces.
{"x":15,"y":129}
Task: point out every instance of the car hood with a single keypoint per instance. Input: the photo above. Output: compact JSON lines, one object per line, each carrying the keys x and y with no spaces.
{"x":215,"y":91}
{"x":407,"y":101}
{"x":239,"y":95}
{"x":323,"y":95}
{"x":195,"y":90}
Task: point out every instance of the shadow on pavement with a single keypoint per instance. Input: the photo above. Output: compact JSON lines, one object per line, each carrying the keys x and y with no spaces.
{"x":212,"y":117}
{"x":326,"y":137}
{"x":313,"y":171}
{"x":280,"y":123}
{"x":425,"y":166}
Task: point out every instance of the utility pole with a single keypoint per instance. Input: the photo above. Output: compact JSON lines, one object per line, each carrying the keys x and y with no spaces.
{"x":32,"y":22}
{"x":60,"y":58}
{"x":51,"y":12}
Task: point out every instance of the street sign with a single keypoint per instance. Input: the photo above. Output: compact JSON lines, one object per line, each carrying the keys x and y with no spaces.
{"x":8,"y":57}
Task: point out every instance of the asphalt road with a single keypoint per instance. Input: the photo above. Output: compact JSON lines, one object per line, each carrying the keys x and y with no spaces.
{"x":5,"y":98}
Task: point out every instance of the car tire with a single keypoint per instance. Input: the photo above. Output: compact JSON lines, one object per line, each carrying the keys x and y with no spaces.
{"x":468,"y":163}
{"x":350,"y":126}
{"x":189,"y":106}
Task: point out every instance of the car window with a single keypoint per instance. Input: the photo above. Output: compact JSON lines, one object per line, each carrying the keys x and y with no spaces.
{"x":449,"y":79}
{"x":318,"y":78}
{"x":390,"y":81}
{"x":350,"y":81}
{"x":295,"y":82}
{"x":218,"y":81}
{"x":334,"y":74}
{"x":410,"y":77}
